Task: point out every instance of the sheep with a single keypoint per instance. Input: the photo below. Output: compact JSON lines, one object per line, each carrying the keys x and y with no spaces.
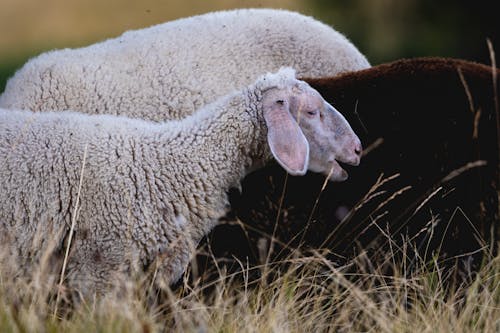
{"x":150,"y":191}
{"x":416,"y":116}
{"x":168,"y":71}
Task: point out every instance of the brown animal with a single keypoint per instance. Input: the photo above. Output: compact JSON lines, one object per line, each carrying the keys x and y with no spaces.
{"x":430,"y":129}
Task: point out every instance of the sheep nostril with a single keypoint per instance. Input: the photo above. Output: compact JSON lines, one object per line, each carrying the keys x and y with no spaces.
{"x":358,"y":150}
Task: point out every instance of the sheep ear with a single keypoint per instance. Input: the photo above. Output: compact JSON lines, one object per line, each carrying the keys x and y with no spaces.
{"x":288,"y":144}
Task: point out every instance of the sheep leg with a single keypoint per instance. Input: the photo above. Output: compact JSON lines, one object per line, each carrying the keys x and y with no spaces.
{"x":172,"y":262}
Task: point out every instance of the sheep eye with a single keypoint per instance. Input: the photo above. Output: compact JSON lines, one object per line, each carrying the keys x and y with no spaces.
{"x":280,"y":101}
{"x":312,"y":113}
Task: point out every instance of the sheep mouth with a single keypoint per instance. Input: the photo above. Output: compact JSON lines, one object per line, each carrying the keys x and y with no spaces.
{"x":337,"y":171}
{"x":347,"y":165}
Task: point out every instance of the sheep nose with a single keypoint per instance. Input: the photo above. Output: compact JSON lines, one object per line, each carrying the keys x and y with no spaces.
{"x":358,"y":149}
{"x":351,"y":153}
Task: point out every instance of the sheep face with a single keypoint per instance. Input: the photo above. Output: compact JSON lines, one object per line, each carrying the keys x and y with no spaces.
{"x":307,"y":133}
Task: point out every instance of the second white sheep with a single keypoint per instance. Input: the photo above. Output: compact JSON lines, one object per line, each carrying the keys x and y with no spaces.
{"x":170,"y":70}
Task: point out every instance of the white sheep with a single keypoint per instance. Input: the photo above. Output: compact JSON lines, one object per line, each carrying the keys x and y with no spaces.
{"x":150,"y":191}
{"x":170,"y":70}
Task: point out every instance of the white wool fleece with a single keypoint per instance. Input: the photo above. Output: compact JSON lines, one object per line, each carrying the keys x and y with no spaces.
{"x":169,"y":70}
{"x":150,"y":191}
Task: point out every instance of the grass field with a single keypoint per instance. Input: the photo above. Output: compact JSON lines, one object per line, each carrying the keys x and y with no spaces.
{"x":311,"y":295}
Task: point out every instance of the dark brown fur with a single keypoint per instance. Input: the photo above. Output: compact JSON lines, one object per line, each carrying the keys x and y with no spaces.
{"x":420,"y":109}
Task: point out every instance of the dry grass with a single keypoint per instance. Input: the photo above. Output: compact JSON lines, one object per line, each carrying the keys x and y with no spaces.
{"x":311,"y":294}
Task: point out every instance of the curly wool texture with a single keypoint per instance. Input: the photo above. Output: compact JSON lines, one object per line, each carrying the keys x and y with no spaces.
{"x":170,"y":70}
{"x":149,"y":191}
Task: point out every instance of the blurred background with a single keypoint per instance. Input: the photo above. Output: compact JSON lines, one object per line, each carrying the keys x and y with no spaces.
{"x":384,"y":30}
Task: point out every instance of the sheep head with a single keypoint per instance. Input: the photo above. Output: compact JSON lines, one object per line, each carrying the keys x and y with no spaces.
{"x":307,"y":133}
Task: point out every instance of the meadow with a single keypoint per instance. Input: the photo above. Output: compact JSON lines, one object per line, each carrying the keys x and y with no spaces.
{"x":311,"y":295}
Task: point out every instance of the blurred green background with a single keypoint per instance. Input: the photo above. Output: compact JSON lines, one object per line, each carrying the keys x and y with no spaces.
{"x":384,"y":30}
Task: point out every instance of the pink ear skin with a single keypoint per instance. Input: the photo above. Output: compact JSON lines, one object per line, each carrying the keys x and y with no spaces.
{"x":288,"y":144}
